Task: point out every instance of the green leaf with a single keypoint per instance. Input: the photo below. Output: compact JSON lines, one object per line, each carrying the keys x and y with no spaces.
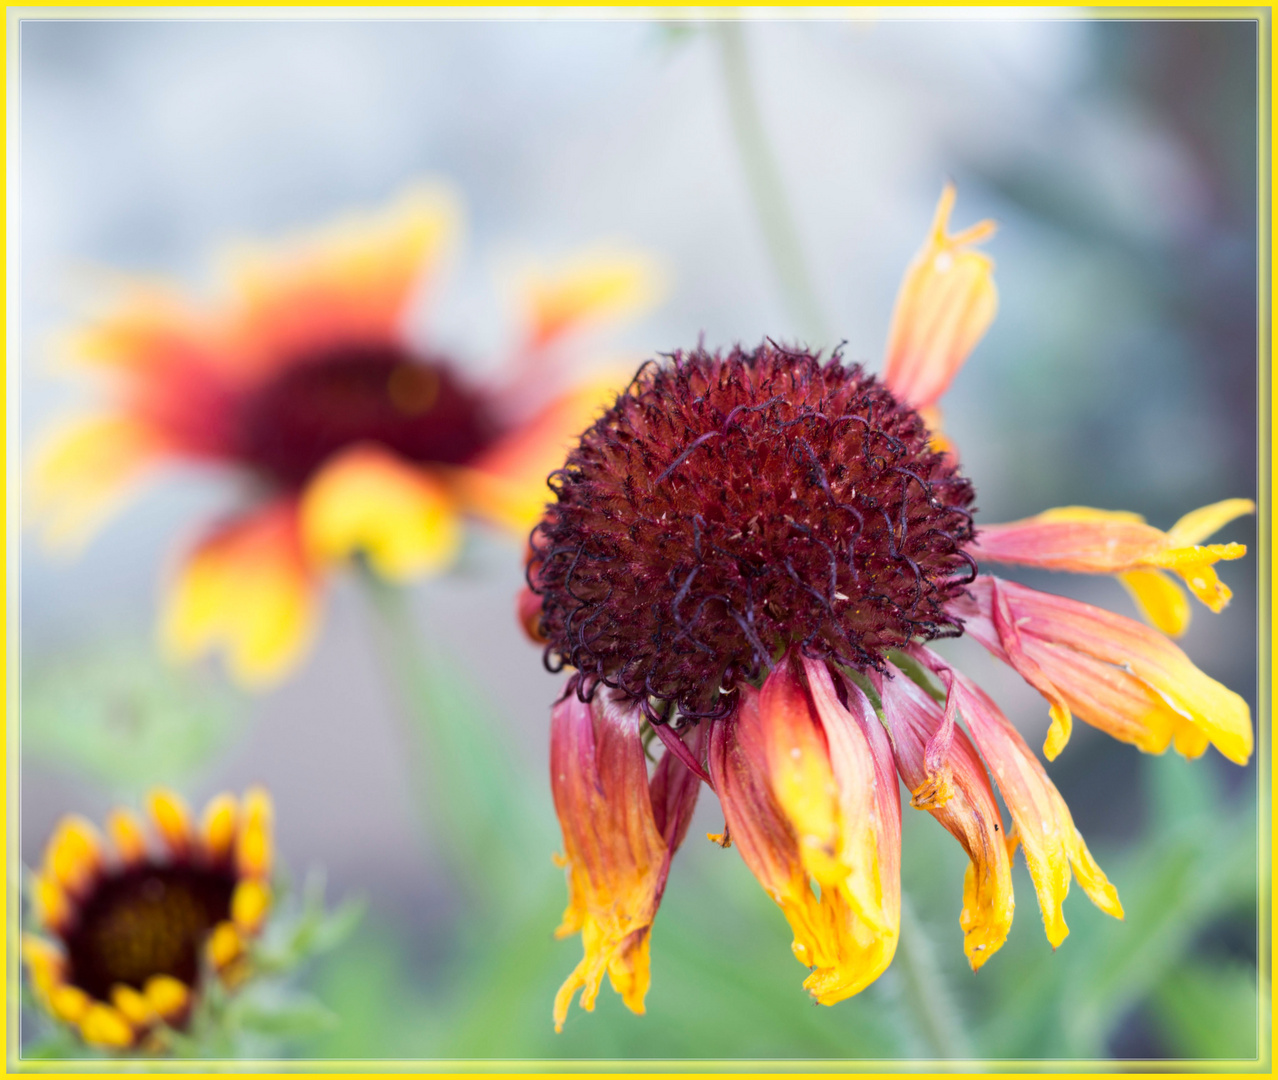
{"x":291,"y":1015}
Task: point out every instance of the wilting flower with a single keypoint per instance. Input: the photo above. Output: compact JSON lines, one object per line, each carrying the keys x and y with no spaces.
{"x":748,"y":554}
{"x":133,"y":925}
{"x":354,"y":437}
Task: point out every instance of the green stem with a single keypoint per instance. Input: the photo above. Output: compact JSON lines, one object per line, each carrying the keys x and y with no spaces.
{"x":472,"y":797}
{"x":925,"y":992}
{"x":763,"y":176}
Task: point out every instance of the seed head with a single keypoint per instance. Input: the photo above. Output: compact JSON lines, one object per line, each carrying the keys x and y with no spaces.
{"x":727,"y":507}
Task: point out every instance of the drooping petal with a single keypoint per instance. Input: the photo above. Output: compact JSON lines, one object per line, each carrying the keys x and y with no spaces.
{"x":1084,"y":540}
{"x":590,"y":289}
{"x":350,"y":282}
{"x":85,"y":470}
{"x":1115,"y":673}
{"x":369,"y":500}
{"x":946,"y":303}
{"x":809,"y":793}
{"x":506,"y":484}
{"x":1044,"y":826}
{"x":616,"y":856}
{"x":247,"y":591}
{"x":970,"y":814}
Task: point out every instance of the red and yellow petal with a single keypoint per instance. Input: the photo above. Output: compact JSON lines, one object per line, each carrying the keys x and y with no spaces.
{"x":351,"y":282}
{"x":249,"y":592}
{"x":616,"y":855}
{"x":369,"y":500}
{"x":809,"y":793}
{"x":970,"y":813}
{"x":1082,"y":539}
{"x":945,"y":304}
{"x":1044,"y":826}
{"x":1119,"y":675}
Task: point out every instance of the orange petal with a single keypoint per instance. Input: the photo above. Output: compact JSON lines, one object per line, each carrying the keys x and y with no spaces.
{"x":616,"y":856}
{"x":369,"y":500}
{"x":970,"y":814}
{"x":1044,"y":826}
{"x":946,"y":303}
{"x":246,"y":591}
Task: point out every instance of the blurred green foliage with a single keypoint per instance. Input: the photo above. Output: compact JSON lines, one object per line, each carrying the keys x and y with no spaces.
{"x":119,"y":714}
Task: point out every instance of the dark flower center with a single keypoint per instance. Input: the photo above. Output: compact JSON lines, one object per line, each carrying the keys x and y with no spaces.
{"x":727,"y":508}
{"x":146,"y":921}
{"x":414,"y":406}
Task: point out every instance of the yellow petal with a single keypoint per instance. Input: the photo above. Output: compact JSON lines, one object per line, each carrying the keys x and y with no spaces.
{"x":249,"y":592}
{"x":172,"y":819}
{"x":368,"y":500}
{"x":218,"y":825}
{"x":254,"y":850}
{"x":50,"y":905}
{"x":168,"y":996}
{"x":102,"y":1025}
{"x":1199,"y":524}
{"x":128,"y":835}
{"x":1160,"y":600}
{"x":589,"y":289}
{"x":84,"y":470}
{"x":74,"y":853}
{"x":45,"y":964}
{"x":249,"y":904}
{"x":69,"y":1003}
{"x":133,"y":1006}
{"x":225,"y":945}
{"x":945,"y":304}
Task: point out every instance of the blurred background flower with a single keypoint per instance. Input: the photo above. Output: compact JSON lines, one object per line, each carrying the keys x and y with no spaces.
{"x":1119,"y":159}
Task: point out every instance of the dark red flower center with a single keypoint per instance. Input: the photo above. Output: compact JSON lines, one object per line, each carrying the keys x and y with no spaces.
{"x":415,"y":406}
{"x":727,"y":508}
{"x":144,"y":921}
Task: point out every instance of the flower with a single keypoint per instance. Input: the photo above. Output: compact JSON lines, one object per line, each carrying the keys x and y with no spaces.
{"x":356,"y":438}
{"x":749,"y":554}
{"x":132,"y":930}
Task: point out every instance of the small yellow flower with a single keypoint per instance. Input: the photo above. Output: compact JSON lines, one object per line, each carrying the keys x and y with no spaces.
{"x":136,"y":927}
